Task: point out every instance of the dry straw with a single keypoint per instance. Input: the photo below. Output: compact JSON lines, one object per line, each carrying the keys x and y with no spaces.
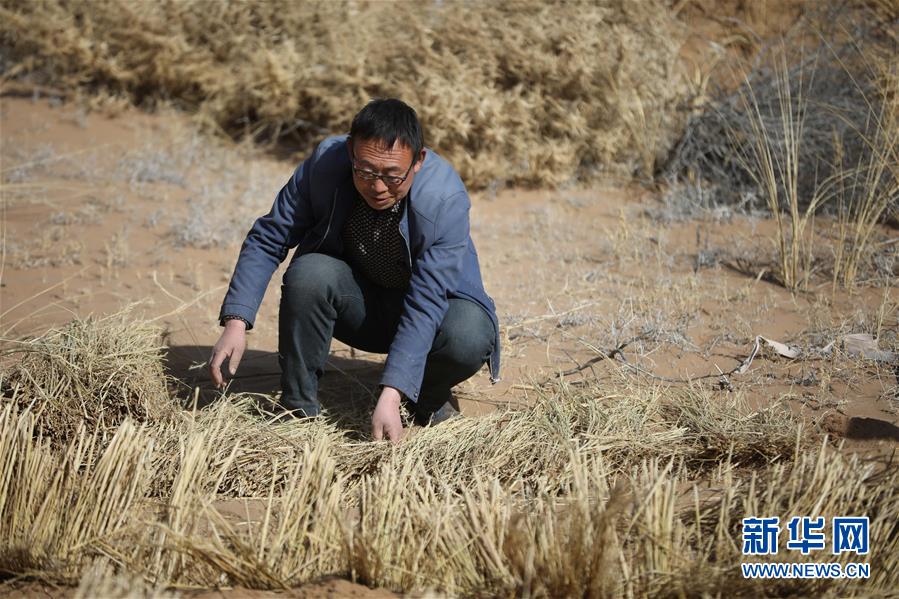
{"x":55,"y":506}
{"x":631,"y":489}
{"x":648,"y":531}
{"x":89,"y":374}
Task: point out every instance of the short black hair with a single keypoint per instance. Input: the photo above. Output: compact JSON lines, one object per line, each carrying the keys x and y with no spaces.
{"x":389,"y":120}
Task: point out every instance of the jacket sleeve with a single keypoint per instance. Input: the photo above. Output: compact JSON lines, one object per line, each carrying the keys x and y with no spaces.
{"x":434,"y":274}
{"x":267,"y":245}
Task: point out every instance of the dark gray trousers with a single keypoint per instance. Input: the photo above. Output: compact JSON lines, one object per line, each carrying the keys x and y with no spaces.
{"x":324,"y":297}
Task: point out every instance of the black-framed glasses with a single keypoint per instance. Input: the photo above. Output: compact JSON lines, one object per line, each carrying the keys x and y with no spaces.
{"x":389,"y":180}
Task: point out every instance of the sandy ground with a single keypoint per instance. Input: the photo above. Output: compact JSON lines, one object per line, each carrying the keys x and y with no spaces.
{"x":104,"y":213}
{"x":138,"y":211}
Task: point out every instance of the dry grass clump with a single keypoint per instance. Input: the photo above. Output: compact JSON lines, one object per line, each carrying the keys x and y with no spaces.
{"x":297,"y":539}
{"x":625,"y":424}
{"x":721,"y":424}
{"x":60,"y":509}
{"x":90,"y":374}
{"x":651,"y":533}
{"x":522,"y":446}
{"x":485,"y":539}
{"x":688,"y":540}
{"x":520,"y":92}
{"x":867,"y":190}
{"x":250,"y":449}
{"x":56,"y":505}
{"x":650,"y":530}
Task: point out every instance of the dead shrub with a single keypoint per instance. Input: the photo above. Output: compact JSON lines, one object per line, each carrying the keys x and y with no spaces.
{"x":518,"y":92}
{"x":837,"y":63}
{"x":811,"y":129}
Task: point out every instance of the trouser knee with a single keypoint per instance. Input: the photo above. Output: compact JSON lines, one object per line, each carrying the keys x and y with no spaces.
{"x":463,"y":343}
{"x":311,"y":279}
{"x":466,"y":335}
{"x":464,"y":351}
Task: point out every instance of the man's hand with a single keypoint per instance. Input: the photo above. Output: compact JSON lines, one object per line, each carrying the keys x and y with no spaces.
{"x":386,"y":417}
{"x":231,"y":345}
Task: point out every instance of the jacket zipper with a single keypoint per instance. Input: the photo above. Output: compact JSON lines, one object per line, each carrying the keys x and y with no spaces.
{"x":399,"y":227}
{"x":408,"y":251}
{"x":330,"y":217}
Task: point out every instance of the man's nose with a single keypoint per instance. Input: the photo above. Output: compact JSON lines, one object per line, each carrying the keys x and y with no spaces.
{"x":379,"y":186}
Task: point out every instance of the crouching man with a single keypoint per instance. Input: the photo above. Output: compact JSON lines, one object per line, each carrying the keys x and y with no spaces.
{"x":384,"y":262}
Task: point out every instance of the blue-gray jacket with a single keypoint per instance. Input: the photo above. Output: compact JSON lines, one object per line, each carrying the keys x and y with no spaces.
{"x":309,"y":213}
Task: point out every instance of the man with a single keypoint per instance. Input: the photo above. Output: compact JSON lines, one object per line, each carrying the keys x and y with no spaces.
{"x":384,"y":263}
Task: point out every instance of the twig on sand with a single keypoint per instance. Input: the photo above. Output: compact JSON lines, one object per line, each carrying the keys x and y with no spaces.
{"x":546,"y":317}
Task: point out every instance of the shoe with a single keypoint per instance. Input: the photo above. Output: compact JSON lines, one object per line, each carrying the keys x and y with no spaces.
{"x":443,"y":413}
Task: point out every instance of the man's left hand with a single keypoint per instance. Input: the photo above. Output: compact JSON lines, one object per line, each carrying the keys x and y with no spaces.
{"x":386,"y":417}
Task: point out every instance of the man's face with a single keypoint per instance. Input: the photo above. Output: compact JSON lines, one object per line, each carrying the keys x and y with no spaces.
{"x":373,"y":156}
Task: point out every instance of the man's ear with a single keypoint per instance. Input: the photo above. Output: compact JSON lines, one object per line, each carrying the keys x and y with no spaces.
{"x":420,"y":161}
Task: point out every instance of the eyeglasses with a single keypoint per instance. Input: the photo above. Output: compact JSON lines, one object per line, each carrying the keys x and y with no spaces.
{"x":389,"y":180}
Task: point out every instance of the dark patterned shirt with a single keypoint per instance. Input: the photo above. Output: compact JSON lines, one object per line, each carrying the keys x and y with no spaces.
{"x":373,"y":244}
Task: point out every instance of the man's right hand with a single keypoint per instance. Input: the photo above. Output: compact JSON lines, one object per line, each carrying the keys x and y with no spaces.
{"x":231,"y":345}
